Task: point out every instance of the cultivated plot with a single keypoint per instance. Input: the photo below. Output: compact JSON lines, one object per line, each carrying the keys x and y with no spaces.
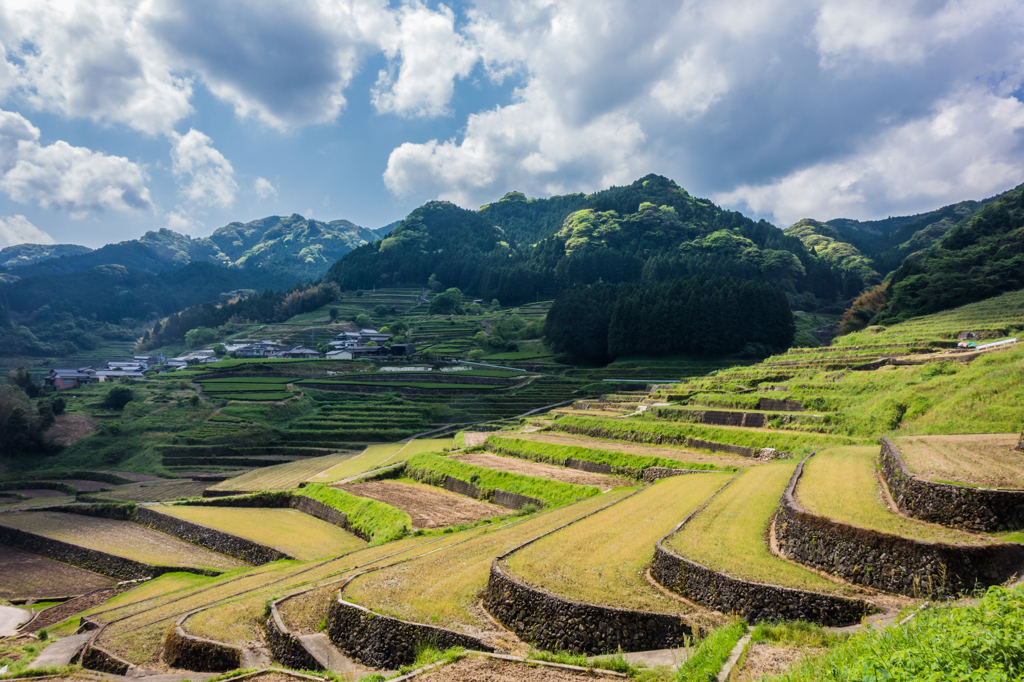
{"x":154,"y":491}
{"x":602,"y":559}
{"x":120,"y":538}
{"x":528,"y":468}
{"x":985,"y":460}
{"x":378,"y":456}
{"x":28,"y":575}
{"x":292,"y":532}
{"x":281,"y":476}
{"x":428,"y":506}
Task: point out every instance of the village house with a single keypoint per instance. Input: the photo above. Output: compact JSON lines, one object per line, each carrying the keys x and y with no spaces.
{"x":260,"y":349}
{"x":63,"y":379}
{"x":359,"y":339}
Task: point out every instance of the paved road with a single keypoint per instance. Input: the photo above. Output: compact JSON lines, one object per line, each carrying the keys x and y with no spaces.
{"x":11,"y":617}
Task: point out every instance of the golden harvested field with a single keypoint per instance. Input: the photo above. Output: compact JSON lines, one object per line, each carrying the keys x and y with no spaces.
{"x":281,"y":476}
{"x":481,"y":669}
{"x":441,"y":589}
{"x":668,"y":452}
{"x":840,"y":483}
{"x":427,"y":505}
{"x":121,"y":538}
{"x":292,"y":532}
{"x":729,"y":534}
{"x":29,"y":575}
{"x":377,"y":456}
{"x":528,"y":468}
{"x":602,"y":559}
{"x":985,"y":460}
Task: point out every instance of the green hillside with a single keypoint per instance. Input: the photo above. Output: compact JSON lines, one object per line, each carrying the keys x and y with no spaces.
{"x":27,"y":254}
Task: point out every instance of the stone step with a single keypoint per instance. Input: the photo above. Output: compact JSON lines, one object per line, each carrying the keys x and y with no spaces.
{"x":60,"y":653}
{"x":328,"y":655}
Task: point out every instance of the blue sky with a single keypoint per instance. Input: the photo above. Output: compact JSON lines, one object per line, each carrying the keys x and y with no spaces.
{"x":122,"y":117}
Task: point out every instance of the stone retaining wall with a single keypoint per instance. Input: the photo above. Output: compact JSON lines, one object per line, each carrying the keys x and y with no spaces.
{"x":777,"y":405}
{"x":95,"y":658}
{"x":556,"y":623}
{"x":93,"y":560}
{"x":384,"y":642}
{"x":457,"y":485}
{"x":185,"y":651}
{"x":502,"y":498}
{"x":508,"y":500}
{"x":754,"y":420}
{"x":889,"y":562}
{"x":225,"y":543}
{"x":950,"y":505}
{"x":584,"y":465}
{"x":652,"y":474}
{"x":656,"y":438}
{"x":326,"y":513}
{"x":286,"y":647}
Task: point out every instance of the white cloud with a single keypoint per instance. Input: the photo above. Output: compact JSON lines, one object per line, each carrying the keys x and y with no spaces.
{"x":181,"y":222}
{"x":62,"y":177}
{"x":205,"y":177}
{"x":17,"y":229}
{"x":968,"y":147}
{"x":264,"y":188}
{"x":431,"y":55}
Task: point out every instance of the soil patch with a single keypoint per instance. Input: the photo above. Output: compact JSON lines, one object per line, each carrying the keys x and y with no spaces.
{"x":70,"y":428}
{"x":38,"y":492}
{"x":681,"y":454}
{"x":480,"y":669}
{"x":429,"y":507}
{"x":474,"y":438}
{"x":61,"y":612}
{"x":32,"y":576}
{"x":121,"y":538}
{"x":155,"y":491}
{"x":528,"y":468}
{"x":986,"y":460}
{"x":131,"y":476}
{"x":764,"y":659}
{"x":84,"y":486}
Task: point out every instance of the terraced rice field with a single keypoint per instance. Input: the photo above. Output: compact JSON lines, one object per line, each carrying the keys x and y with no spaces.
{"x":154,"y":491}
{"x":29,"y":575}
{"x":840,"y":483}
{"x":281,"y":476}
{"x":668,"y":452}
{"x":429,"y":507}
{"x":480,"y":669}
{"x":292,"y":532}
{"x":985,"y":460}
{"x":120,"y":538}
{"x":729,"y":534}
{"x":602,"y":559}
{"x":555,"y":473}
{"x":442,"y":588}
{"x":377,"y":456}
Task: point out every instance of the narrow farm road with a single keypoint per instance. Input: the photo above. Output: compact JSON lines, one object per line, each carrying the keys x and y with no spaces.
{"x":11,"y":618}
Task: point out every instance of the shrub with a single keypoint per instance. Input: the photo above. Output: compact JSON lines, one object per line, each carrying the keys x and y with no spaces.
{"x":118,"y":397}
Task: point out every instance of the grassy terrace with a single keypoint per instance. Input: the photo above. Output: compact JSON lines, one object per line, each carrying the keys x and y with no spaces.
{"x":985,"y":460}
{"x":376,"y":520}
{"x":281,"y":476}
{"x":602,"y":559}
{"x":287,"y":530}
{"x":377,"y":456}
{"x":677,"y":454}
{"x":840,"y":483}
{"x":648,"y":430}
{"x":433,"y":469}
{"x":551,"y":453}
{"x":120,"y":538}
{"x":729,"y":534}
{"x":441,"y":589}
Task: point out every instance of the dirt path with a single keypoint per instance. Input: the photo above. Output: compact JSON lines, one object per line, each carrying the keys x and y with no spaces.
{"x":555,"y":473}
{"x":429,"y":507}
{"x":11,"y":618}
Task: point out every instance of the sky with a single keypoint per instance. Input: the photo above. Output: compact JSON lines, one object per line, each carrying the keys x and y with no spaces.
{"x":122,"y":117}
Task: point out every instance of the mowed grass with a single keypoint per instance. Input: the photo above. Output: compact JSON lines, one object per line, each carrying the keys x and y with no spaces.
{"x":292,"y":532}
{"x":986,"y":460}
{"x":729,"y":534}
{"x":442,"y":588}
{"x":602,"y":559}
{"x":377,"y":456}
{"x":281,"y":476}
{"x":840,"y":483}
{"x":121,"y":538}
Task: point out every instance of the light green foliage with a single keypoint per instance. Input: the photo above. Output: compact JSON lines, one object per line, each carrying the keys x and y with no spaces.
{"x":795,"y":633}
{"x":375,"y":520}
{"x":977,"y":643}
{"x":431,"y":468}
{"x":711,"y":654}
{"x":825,"y":242}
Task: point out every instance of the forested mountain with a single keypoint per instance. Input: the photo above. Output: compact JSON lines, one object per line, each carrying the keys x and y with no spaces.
{"x":651,"y":230}
{"x":825,"y":241}
{"x":26,"y":254}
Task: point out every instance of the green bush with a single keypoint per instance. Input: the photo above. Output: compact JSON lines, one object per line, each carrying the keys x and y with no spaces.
{"x":711,"y":654}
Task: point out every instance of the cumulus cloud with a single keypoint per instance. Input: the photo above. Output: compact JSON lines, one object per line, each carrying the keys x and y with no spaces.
{"x":62,"y":177}
{"x":429,"y":55}
{"x":264,"y":188}
{"x":969,"y":147}
{"x":17,"y":229}
{"x":205,"y":177}
{"x":180,"y":221}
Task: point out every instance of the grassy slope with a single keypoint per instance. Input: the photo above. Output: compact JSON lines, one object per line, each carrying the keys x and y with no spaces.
{"x":729,"y":534}
{"x":840,"y":483}
{"x":376,"y":520}
{"x":290,"y":531}
{"x":441,"y":588}
{"x":602,"y":559}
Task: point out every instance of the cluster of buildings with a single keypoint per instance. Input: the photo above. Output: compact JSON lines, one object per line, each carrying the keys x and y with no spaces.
{"x":345,"y":346}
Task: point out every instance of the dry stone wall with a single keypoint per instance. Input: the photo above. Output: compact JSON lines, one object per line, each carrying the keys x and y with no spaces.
{"x":286,"y":647}
{"x":185,"y":651}
{"x":950,"y":505}
{"x":889,"y":562}
{"x":777,"y":405}
{"x":225,"y":543}
{"x":556,"y":623}
{"x":326,"y":513}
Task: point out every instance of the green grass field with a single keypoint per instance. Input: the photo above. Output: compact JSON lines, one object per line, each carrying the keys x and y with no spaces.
{"x":281,"y":476}
{"x":729,"y":534}
{"x":290,"y":531}
{"x":602,"y":559}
